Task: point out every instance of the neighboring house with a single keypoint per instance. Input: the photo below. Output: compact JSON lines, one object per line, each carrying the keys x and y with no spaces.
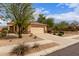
{"x":34,"y":27}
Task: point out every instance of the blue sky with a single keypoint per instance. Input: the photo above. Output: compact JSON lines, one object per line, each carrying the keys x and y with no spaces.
{"x":59,"y":11}
{"x":54,"y":8}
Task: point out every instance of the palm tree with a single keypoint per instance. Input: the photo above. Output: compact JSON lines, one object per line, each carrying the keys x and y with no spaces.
{"x":49,"y":21}
{"x":41,"y":18}
{"x":50,"y":24}
{"x":21,"y":13}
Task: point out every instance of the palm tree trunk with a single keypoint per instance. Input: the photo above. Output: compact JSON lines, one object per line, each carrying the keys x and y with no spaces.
{"x":19,"y":32}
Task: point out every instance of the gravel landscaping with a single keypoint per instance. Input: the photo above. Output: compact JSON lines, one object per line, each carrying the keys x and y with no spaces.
{"x":40,"y":48}
{"x":12,"y":39}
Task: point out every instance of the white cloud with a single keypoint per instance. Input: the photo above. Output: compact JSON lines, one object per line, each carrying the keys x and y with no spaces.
{"x":60,"y":4}
{"x":75,"y":6}
{"x":40,"y":11}
{"x":3,"y":23}
{"x":70,"y":16}
{"x":72,"y":5}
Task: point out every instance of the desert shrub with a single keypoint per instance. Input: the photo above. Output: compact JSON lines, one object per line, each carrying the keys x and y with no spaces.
{"x":4,"y":32}
{"x":55,"y":32}
{"x":49,"y":32}
{"x":0,"y":34}
{"x":35,"y":45}
{"x":31,"y":35}
{"x":61,"y":33}
{"x":20,"y":50}
{"x":35,"y":37}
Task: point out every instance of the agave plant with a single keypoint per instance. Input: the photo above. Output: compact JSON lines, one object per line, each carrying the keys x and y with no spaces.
{"x":19,"y":50}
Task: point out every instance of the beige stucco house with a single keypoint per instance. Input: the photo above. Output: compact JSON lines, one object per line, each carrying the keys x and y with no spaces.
{"x":34,"y":27}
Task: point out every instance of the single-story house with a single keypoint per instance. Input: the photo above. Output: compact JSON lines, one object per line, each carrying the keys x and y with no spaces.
{"x":34,"y":27}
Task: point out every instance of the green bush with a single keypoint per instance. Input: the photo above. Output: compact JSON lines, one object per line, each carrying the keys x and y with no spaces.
{"x":0,"y":34}
{"x":55,"y":32}
{"x":61,"y":33}
{"x":4,"y":32}
{"x":35,"y":37}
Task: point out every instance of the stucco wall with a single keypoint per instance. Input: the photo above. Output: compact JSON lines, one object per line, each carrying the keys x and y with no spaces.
{"x":37,"y":28}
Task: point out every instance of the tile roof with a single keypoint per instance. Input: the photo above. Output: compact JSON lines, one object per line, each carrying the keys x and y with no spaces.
{"x":37,"y":23}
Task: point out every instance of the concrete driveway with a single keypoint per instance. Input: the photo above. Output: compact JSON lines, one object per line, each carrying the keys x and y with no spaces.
{"x":66,"y":45}
{"x":57,"y":39}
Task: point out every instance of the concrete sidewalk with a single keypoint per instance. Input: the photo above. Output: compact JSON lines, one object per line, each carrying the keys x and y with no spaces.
{"x":71,"y":37}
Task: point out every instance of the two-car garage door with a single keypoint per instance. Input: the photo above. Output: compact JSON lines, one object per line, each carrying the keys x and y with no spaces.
{"x":37,"y":30}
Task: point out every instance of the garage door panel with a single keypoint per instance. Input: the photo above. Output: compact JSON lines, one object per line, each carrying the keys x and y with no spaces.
{"x":37,"y":30}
